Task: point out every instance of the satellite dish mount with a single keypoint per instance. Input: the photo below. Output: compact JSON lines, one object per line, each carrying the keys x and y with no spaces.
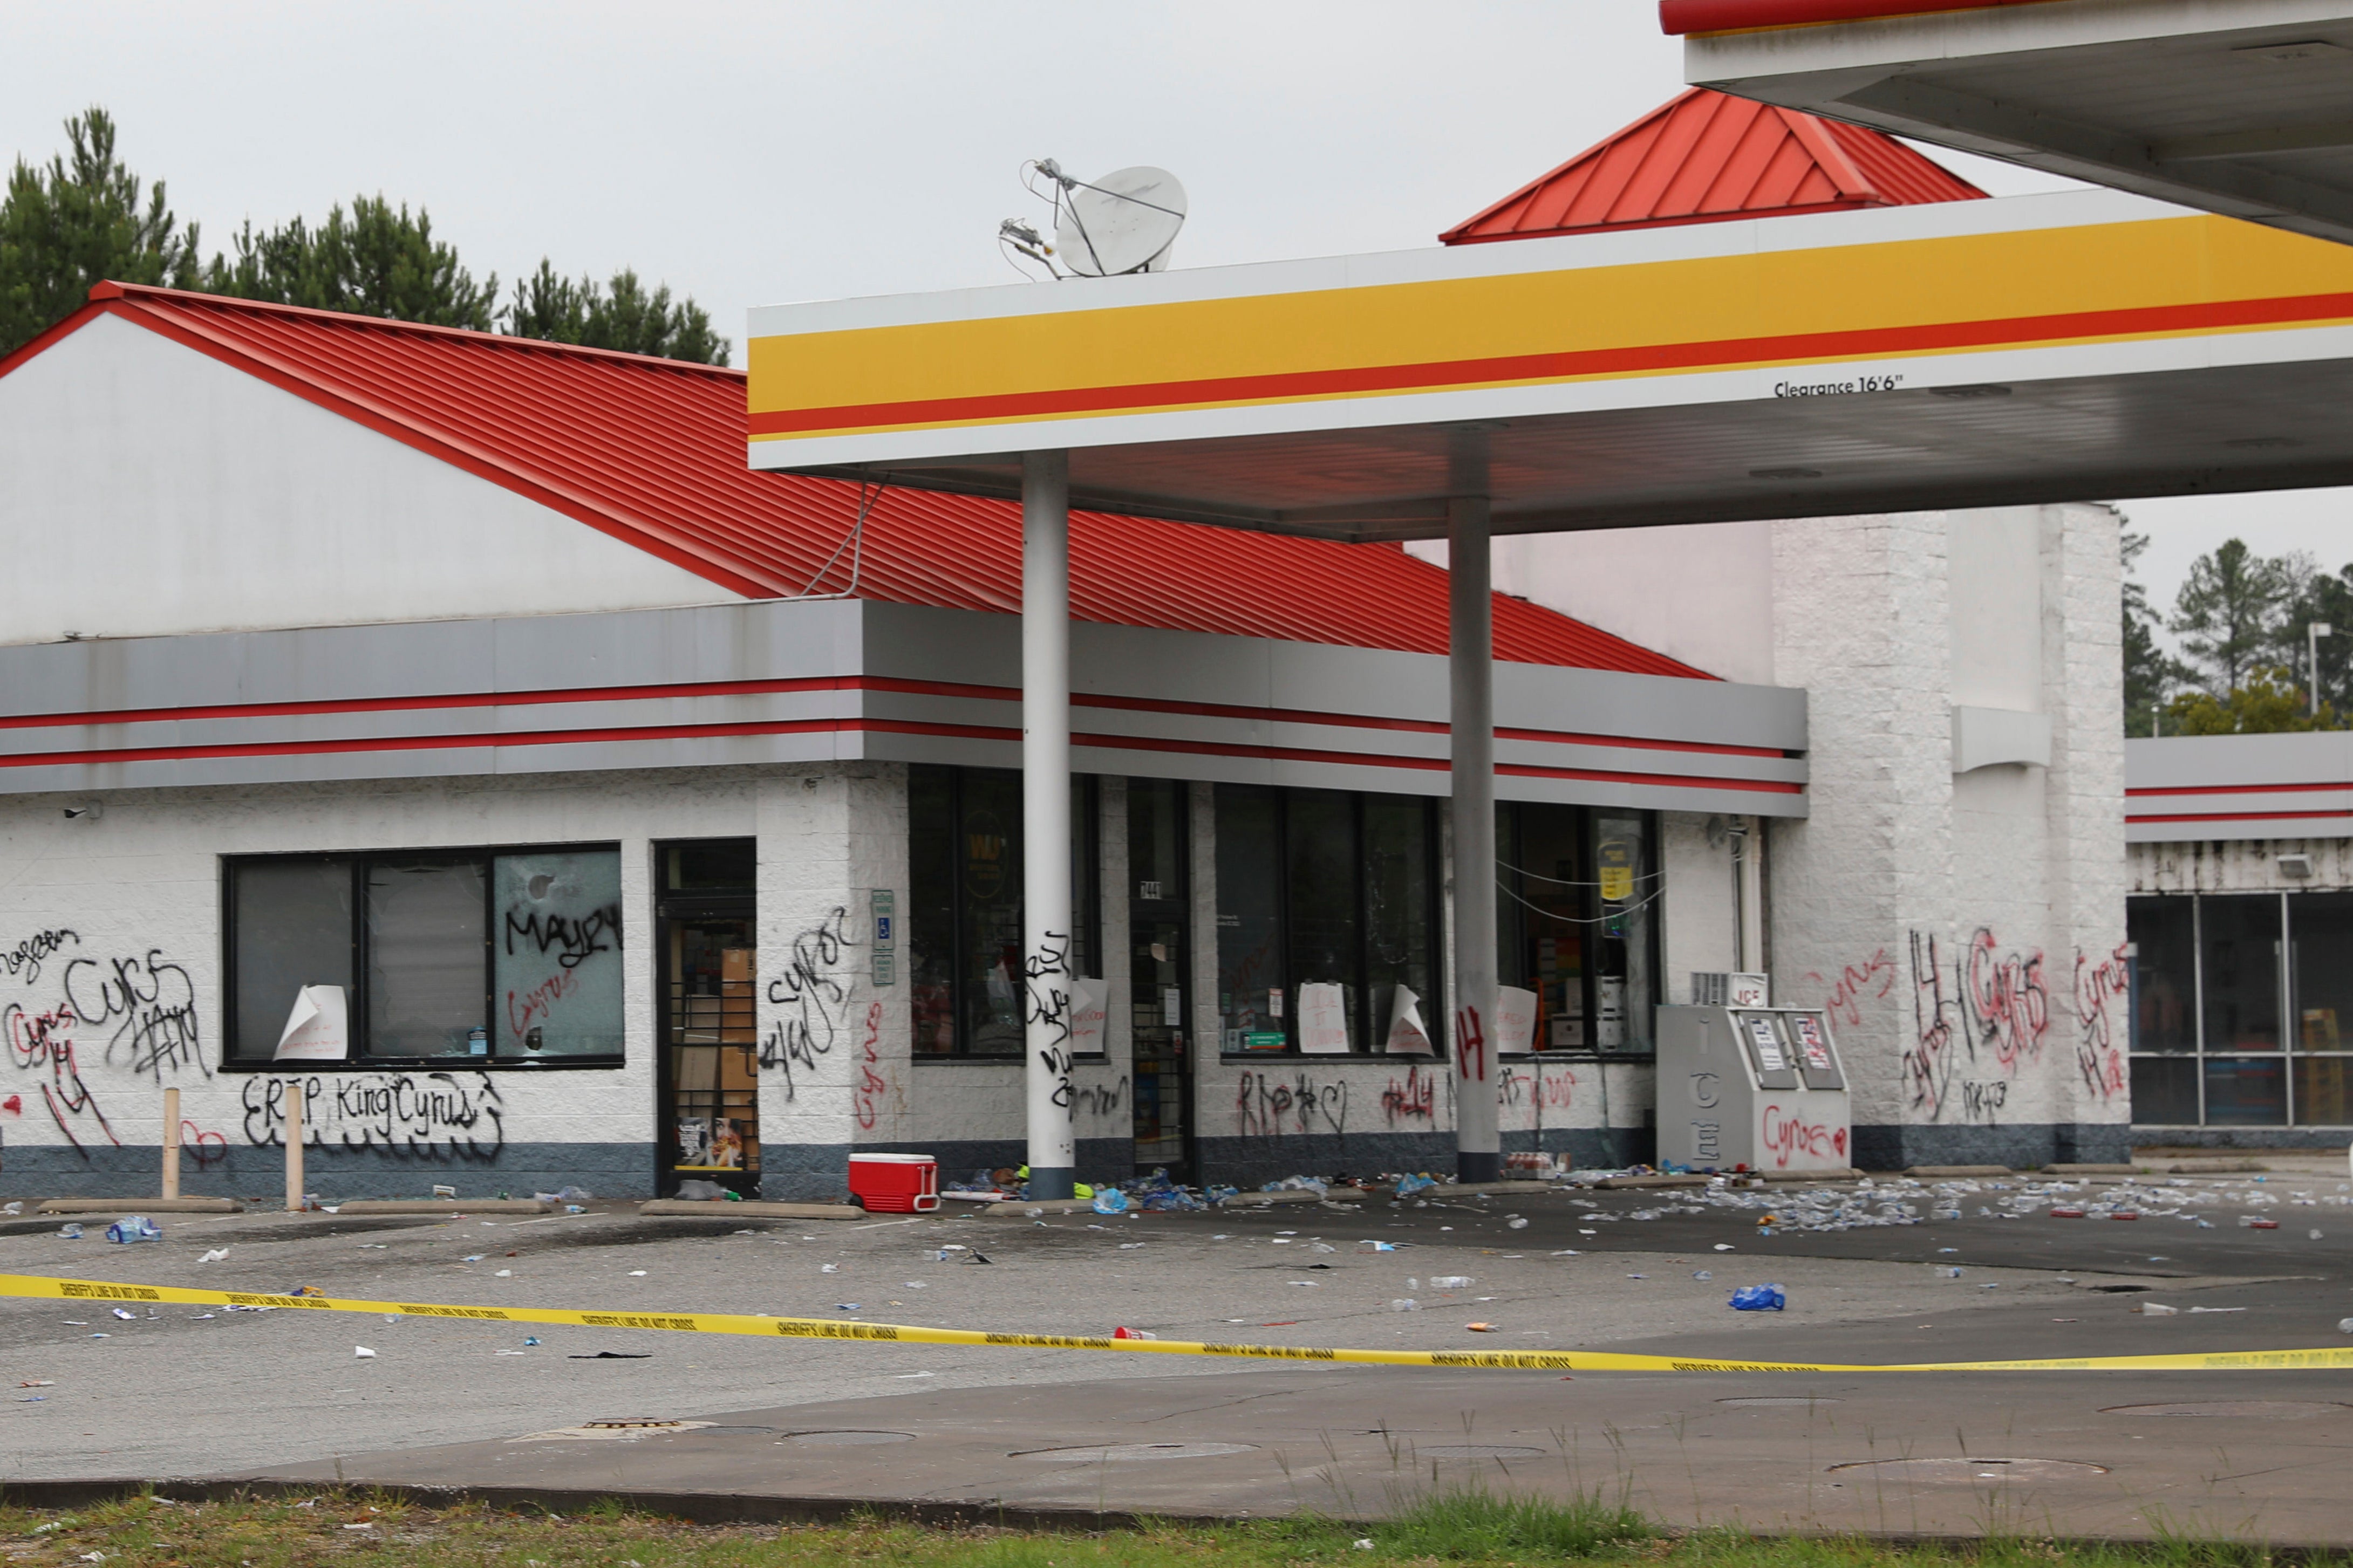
{"x":1126,"y":221}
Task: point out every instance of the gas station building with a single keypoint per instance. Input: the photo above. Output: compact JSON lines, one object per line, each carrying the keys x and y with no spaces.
{"x":664,"y":818}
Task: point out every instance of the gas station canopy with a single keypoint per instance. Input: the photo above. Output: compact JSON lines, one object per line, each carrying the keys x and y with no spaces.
{"x":2243,"y":107}
{"x":2075,"y":346}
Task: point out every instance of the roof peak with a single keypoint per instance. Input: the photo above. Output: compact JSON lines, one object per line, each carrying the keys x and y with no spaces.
{"x":1704,"y":156}
{"x":109,"y":291}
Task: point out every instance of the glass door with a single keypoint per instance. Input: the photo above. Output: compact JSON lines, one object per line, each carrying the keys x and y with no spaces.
{"x":708,"y":1121}
{"x":1159,"y":992}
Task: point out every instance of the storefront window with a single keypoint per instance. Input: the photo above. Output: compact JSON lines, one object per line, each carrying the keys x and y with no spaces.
{"x":964,"y":918}
{"x":1576,"y":908}
{"x":489,"y":956}
{"x":2212,"y":978}
{"x":1327,"y":907}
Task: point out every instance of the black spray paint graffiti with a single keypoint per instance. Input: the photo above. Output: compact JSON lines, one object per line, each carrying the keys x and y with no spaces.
{"x":439,"y":1118}
{"x":1266,"y":1109}
{"x":1046,"y":998}
{"x":24,"y":961}
{"x":150,"y":1005}
{"x":1995,"y":1016}
{"x":1102,"y":1099}
{"x":577,"y":941}
{"x":812,"y":997}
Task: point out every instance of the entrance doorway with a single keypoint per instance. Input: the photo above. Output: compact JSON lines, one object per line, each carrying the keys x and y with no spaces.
{"x":1159,"y":971}
{"x":707,"y":944}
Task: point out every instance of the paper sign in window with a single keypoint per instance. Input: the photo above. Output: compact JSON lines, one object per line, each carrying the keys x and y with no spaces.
{"x":317,"y":1029}
{"x":1515,"y":1019}
{"x":1322,"y":1019}
{"x":1408,"y":1036}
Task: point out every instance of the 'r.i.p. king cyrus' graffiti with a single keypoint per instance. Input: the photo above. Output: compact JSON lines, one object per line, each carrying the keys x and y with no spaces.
{"x":437,"y":1118}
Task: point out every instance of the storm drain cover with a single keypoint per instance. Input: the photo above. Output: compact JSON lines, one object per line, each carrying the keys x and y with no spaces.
{"x":1480,"y":1451}
{"x":626,"y":1431}
{"x":1129,"y":1453}
{"x":1805,"y":1399}
{"x":2242,"y":1409}
{"x":847,"y":1440}
{"x":1974,"y":1470}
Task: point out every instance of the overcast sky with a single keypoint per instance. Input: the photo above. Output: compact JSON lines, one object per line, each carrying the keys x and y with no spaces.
{"x":752,"y":153}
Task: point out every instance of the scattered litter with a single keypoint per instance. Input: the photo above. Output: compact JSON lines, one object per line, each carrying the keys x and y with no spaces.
{"x":1127,"y":1334}
{"x":913,"y":1284}
{"x":39,"y":1383}
{"x":1408,"y":1304}
{"x":32,"y":1399}
{"x":1759,"y":1299}
{"x":1380,"y":1246}
{"x":76,"y":1324}
{"x":14,"y":1208}
{"x":503,"y":1274}
{"x":70,"y":1232}
{"x":845,"y":1306}
{"x":363,"y":1525}
{"x":2218,"y":1309}
{"x":1366,"y":1544}
{"x":362,"y":1352}
{"x":1571,"y":1252}
{"x":1481,"y":1328}
{"x":1515,"y":1223}
{"x":2156,"y":1310}
{"x":101,"y":1336}
{"x":1111,"y":1199}
{"x":1720,"y":1246}
{"x":531,"y":1339}
{"x":2260,"y":1223}
{"x":2067,"y":1213}
{"x":639,"y":1273}
{"x":1638,"y":1277}
{"x":1129,"y":1245}
{"x":615,"y":1355}
{"x":441,"y":1191}
{"x":2124,"y":1213}
{"x":2313,"y":1235}
{"x":2345,"y":1325}
{"x":1703,"y":1274}
{"x":909,"y":1376}
{"x":1948,"y":1271}
{"x":473,"y":1258}
{"x":1450,"y":1281}
{"x":822,"y":1269}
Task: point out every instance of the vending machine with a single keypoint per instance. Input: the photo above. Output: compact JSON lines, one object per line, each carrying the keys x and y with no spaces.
{"x":1754,"y":1089}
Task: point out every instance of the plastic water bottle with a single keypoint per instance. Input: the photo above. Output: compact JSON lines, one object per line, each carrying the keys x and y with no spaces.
{"x":1759,"y":1298}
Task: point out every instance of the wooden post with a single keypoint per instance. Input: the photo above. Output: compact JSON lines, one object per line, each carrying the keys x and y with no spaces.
{"x":294,"y":1097}
{"x":171,"y":1143}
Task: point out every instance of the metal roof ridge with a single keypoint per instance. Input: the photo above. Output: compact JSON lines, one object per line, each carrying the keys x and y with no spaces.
{"x":108,"y":289}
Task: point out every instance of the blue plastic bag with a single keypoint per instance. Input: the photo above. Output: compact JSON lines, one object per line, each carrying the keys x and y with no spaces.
{"x":1408,"y":1186}
{"x":1759,"y":1298}
{"x":1111,"y":1199}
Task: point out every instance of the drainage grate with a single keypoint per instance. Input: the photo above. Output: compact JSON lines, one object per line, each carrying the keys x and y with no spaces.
{"x":1129,"y":1453}
{"x":1480,"y":1451}
{"x":638,"y":1424}
{"x":846,"y":1439}
{"x":619,"y":1431}
{"x":1974,"y":1470}
{"x":1808,"y":1400}
{"x":2241,"y":1409}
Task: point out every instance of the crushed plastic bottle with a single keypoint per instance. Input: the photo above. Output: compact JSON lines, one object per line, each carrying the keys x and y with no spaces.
{"x":134,"y":1228}
{"x":1759,"y":1299}
{"x":70,"y":1231}
{"x":1450,"y":1281}
{"x":1408,"y":1304}
{"x":2156,"y":1310}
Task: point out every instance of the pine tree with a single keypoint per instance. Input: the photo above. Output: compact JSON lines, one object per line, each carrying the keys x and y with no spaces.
{"x":2231,"y":612}
{"x":76,"y":222}
{"x":620,"y":315}
{"x":378,"y":261}
{"x":2150,"y":673}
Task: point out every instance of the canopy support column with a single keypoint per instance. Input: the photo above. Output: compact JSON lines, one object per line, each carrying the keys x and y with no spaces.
{"x":1478,"y":1144}
{"x":1048,"y":1002}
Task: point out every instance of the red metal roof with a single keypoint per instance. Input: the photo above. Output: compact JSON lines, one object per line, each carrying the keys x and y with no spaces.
{"x":1741,"y":16}
{"x":651,"y":452}
{"x":1706,"y":157}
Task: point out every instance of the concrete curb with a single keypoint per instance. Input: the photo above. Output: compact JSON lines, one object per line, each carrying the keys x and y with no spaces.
{"x":692,"y":1208}
{"x":1958,"y":1170}
{"x":121,"y":1207}
{"x":443,"y":1206}
{"x":2094,"y":1169}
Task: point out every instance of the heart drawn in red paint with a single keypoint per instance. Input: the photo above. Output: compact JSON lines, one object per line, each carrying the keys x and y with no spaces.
{"x":1838,"y":1140}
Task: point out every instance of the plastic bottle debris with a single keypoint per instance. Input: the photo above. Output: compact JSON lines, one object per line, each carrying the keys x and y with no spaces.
{"x":2314,"y":1235}
{"x":14,"y":1208}
{"x":2156,"y":1310}
{"x":1948,"y":1271}
{"x":531,"y":1339}
{"x":442,"y":1190}
{"x":217,"y":1255}
{"x":1450,"y":1281}
{"x":1408,"y":1304}
{"x":639,"y":1273}
{"x":361,"y":1352}
{"x":1407,"y":1187}
{"x":1723,"y":1247}
{"x":1515,"y":1223}
{"x":829,"y":1268}
{"x":1111,"y":1199}
{"x":1380,"y":1246}
{"x":2067,"y":1213}
{"x":126,"y":1317}
{"x":1703,"y":1274}
{"x":2262,"y":1224}
{"x":70,"y":1232}
{"x":503,"y":1274}
{"x":134,"y":1228}
{"x":1759,"y":1299}
{"x":1128,"y":1333}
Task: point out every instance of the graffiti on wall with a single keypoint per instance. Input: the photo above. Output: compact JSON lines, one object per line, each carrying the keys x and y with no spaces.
{"x":871,"y":1085}
{"x":147,"y":1007}
{"x":1973,"y":1035}
{"x":1266,"y":1106}
{"x":438,"y":1118}
{"x":811,"y":998}
{"x":1785,"y":1135}
{"x":2103,"y":996}
{"x":1106,"y":1098}
{"x":1412,"y":1099}
{"x":1871,"y":979}
{"x":133,"y":1012}
{"x":42,"y":1044}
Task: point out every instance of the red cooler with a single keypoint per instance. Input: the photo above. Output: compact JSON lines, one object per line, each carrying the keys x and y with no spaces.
{"x":895,"y":1183}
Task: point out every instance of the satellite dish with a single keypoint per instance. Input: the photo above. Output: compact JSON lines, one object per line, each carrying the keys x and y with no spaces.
{"x":1124,"y":221}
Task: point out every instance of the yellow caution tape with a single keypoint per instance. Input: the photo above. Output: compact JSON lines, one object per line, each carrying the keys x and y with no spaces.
{"x":42,"y":1288}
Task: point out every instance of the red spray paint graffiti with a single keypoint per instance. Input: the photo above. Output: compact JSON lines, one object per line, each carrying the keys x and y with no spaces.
{"x":1856,"y":982}
{"x":2100,"y":987}
{"x":870,"y":1083}
{"x":1785,"y":1134}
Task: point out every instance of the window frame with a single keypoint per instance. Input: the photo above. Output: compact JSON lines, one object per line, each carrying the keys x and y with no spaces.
{"x":357,"y":1059}
{"x":1361,"y":1048}
{"x":2290,"y":1051}
{"x":1086,"y":899}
